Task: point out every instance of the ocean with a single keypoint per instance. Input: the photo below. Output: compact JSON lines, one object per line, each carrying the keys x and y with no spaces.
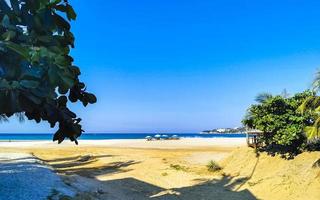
{"x":110,"y":136}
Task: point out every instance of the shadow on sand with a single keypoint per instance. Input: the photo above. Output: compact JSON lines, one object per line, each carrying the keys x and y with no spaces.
{"x":134,"y":189}
{"x":83,"y":179}
{"x":80,"y":165}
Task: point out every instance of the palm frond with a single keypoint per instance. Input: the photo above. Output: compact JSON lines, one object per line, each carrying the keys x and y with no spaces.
{"x":316,"y":102}
{"x":306,"y":105}
{"x":20,"y":116}
{"x":285,"y":94}
{"x":316,"y":82}
{"x":317,"y":110}
{"x":262,"y":97}
{"x":310,"y":103}
{"x":312,"y":132}
{"x":3,"y":118}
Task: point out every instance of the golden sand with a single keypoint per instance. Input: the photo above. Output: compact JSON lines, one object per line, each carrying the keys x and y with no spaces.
{"x":104,"y":172}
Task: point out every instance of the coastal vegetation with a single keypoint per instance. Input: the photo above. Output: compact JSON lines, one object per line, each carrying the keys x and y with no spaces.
{"x":278,"y":117}
{"x":213,"y":166}
{"x":178,"y":167}
{"x":289,"y":124}
{"x":37,"y":74}
{"x":312,"y":105}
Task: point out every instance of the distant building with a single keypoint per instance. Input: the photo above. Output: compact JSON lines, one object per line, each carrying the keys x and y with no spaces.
{"x":225,"y":130}
{"x":221,"y":130}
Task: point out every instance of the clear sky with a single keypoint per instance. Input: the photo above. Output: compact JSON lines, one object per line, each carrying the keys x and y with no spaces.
{"x":186,"y":66}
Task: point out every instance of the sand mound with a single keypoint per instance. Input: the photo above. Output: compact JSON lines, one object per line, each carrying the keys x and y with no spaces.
{"x":273,"y":177}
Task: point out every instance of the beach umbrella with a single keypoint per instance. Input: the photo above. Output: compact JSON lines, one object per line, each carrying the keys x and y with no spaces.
{"x":175,"y":137}
{"x":157,"y":136}
{"x":164,"y":137}
{"x":148,"y":138}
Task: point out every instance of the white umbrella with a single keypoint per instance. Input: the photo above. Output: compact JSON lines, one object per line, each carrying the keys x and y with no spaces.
{"x":157,"y":137}
{"x":148,"y":138}
{"x":175,"y":137}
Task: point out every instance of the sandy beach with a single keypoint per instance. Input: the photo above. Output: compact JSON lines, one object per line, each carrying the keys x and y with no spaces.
{"x":184,"y":143}
{"x":163,"y":100}
{"x":139,"y":169}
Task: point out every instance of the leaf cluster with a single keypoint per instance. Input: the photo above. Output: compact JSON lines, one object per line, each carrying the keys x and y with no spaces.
{"x":280,"y":120}
{"x":37,"y":74}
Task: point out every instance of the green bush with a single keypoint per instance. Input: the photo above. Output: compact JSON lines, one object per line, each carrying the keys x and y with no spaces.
{"x":283,"y":125}
{"x":213,"y":166}
{"x":178,"y":167}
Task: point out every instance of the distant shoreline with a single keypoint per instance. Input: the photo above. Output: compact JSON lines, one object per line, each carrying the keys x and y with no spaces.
{"x":110,"y":136}
{"x":184,"y":143}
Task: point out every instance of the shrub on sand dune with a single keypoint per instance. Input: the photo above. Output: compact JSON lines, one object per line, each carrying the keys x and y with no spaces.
{"x":213,"y":166}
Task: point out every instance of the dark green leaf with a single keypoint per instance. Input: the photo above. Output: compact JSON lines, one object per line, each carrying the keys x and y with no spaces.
{"x":71,"y":14}
{"x":5,"y":21}
{"x":62,"y":23}
{"x":61,"y":7}
{"x":4,"y":84}
{"x":8,"y":35}
{"x":29,"y":84}
{"x":18,"y":49}
{"x":36,"y":66}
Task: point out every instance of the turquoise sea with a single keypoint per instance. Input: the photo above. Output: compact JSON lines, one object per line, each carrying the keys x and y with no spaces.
{"x":109,"y":136}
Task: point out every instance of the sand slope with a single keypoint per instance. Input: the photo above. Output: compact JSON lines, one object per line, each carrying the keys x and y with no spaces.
{"x":275,"y":178}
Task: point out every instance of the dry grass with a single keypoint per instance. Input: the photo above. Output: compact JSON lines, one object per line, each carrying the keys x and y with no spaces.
{"x":213,"y":166}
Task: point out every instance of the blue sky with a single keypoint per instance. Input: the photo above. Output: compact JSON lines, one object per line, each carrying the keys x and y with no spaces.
{"x":186,"y":66}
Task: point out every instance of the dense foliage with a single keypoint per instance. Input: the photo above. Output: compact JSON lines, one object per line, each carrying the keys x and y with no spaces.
{"x":280,"y":120}
{"x":37,"y":75}
{"x":312,"y":104}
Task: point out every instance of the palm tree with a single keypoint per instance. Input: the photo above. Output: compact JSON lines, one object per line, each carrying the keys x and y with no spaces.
{"x":285,"y":94}
{"x":312,"y":104}
{"x":316,"y":82}
{"x":262,"y":97}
